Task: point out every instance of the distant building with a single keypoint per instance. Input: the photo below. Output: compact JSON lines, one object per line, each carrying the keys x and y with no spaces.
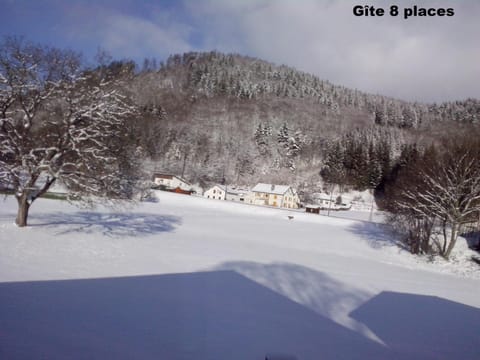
{"x":217,"y":192}
{"x":170,"y":182}
{"x":274,"y":195}
{"x":326,"y":201}
{"x":314,"y":209}
{"x":222,"y":192}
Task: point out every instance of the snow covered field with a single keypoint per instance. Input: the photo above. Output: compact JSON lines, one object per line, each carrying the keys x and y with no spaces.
{"x":191,"y":278}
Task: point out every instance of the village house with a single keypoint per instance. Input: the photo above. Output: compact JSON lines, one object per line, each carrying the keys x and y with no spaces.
{"x":171,"y":182}
{"x":274,"y":195}
{"x":325,"y":201}
{"x":222,"y":192}
{"x":330,"y":201}
{"x":217,"y":192}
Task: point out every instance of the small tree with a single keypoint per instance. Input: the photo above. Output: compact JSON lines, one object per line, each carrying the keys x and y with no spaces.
{"x":59,"y":122}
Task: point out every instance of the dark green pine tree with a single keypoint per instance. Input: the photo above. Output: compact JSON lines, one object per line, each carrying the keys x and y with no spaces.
{"x":334,"y":170}
{"x":283,"y":135}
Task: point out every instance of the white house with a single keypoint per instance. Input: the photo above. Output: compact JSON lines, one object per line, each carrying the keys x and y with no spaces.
{"x":222,"y":192}
{"x":171,"y":181}
{"x":217,"y":192}
{"x":329,"y":201}
{"x":325,"y":201}
{"x":274,"y":195}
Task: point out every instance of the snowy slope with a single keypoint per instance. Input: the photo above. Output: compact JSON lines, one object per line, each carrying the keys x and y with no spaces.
{"x":226,"y":280}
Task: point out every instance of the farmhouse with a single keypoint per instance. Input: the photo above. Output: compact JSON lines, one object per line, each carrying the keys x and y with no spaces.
{"x":274,"y":195}
{"x":217,"y":192}
{"x":223,"y":192}
{"x":325,"y":201}
{"x":170,"y":182}
{"x":330,"y":201}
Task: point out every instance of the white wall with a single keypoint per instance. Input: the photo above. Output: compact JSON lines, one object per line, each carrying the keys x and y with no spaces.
{"x":215,"y":193}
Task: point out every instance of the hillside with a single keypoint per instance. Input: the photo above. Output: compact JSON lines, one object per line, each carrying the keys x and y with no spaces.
{"x":224,"y":117}
{"x":190,"y":275}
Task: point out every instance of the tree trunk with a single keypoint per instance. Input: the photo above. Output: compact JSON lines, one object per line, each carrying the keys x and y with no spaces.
{"x":444,"y":230}
{"x":22,"y":214}
{"x":453,"y":239}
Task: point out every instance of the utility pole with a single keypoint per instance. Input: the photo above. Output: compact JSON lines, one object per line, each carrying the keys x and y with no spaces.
{"x":370,"y":217}
{"x":331,"y":199}
{"x":184,"y":163}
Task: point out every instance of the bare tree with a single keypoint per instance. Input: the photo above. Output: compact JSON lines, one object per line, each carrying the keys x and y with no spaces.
{"x":59,"y":122}
{"x":444,"y":188}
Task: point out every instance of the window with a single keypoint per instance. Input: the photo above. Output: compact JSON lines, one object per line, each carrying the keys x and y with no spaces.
{"x":214,"y":191}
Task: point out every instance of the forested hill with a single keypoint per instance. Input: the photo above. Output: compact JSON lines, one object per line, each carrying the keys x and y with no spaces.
{"x":216,"y":74}
{"x":224,"y":117}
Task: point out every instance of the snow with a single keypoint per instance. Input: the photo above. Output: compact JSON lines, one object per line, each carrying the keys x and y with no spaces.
{"x":230,"y":190}
{"x":187,"y":278}
{"x":271,"y":189}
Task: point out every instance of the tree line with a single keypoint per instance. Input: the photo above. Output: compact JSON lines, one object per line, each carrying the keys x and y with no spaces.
{"x":431,"y":192}
{"x":216,"y":74}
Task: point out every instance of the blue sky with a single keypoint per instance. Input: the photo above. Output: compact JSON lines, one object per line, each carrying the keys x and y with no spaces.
{"x":86,"y":25}
{"x":425,"y":59}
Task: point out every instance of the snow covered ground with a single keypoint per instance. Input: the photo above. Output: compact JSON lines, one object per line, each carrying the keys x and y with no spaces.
{"x":192,"y":278}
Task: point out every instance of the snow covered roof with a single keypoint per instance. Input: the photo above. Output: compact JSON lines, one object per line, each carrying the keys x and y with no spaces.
{"x":221,"y":187}
{"x":236,"y":191}
{"x":231,"y":190}
{"x":169,"y":177}
{"x":323,"y":196}
{"x":163,"y":176}
{"x":271,"y":188}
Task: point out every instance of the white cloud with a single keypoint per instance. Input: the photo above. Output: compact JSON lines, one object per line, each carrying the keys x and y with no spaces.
{"x":125,"y":34}
{"x":134,"y":37}
{"x":427,"y":59}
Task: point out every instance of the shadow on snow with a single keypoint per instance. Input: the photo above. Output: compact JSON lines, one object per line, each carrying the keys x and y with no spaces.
{"x":428,"y":327}
{"x":220,"y":315}
{"x":377,"y":235}
{"x":313,"y":289}
{"x":108,"y":224}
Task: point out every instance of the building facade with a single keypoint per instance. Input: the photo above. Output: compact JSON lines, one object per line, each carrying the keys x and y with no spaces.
{"x":171,"y":182}
{"x":217,"y":192}
{"x":222,"y":192}
{"x":274,"y":195}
